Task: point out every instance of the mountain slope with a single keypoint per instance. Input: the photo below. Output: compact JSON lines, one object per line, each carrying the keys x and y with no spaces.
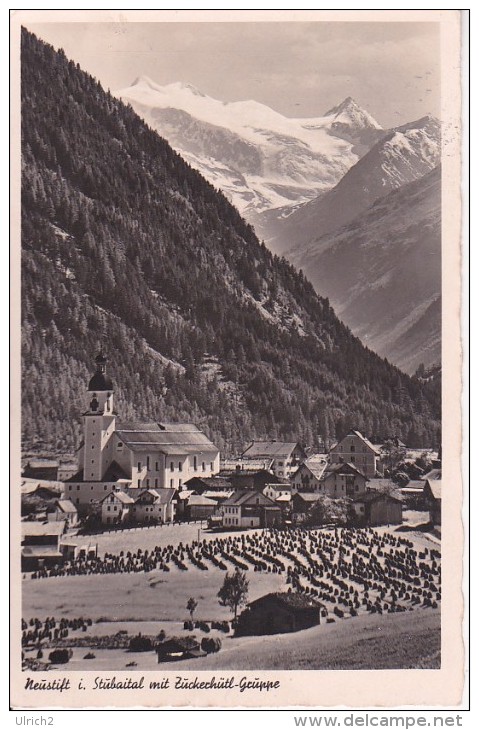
{"x":382,"y":273}
{"x":401,"y":156}
{"x":126,"y":248}
{"x":257,"y":157}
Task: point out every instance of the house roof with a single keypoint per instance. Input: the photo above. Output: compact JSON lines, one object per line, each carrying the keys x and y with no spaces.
{"x":242,"y":496}
{"x":179,"y":439}
{"x":30,"y":486}
{"x":366,"y":441}
{"x":307,"y":496}
{"x":315,"y":465}
{"x":43,"y":464}
{"x":120,"y":496}
{"x":212,"y":483}
{"x":218,"y":495}
{"x":40,"y":551}
{"x":43,"y":529}
{"x":376,"y":496}
{"x":271,"y":449}
{"x":283,"y":498}
{"x":67,"y":506}
{"x":279,"y":486}
{"x":435,"y":487}
{"x":415,"y":484}
{"x":287,"y":600}
{"x":344,"y":467}
{"x":238,"y":465}
{"x":199,"y":500}
{"x":186,"y":494}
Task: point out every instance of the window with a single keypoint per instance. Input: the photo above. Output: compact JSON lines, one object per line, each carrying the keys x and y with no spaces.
{"x":139,"y":482}
{"x":172,"y":466}
{"x":353,"y":448}
{"x":180,"y":466}
{"x":156,"y":466}
{"x":78,"y":487}
{"x":353,"y":458}
{"x":115,"y":508}
{"x":70,"y":488}
{"x":148,"y":463}
{"x":280,"y":463}
{"x":195,"y":463}
{"x":171,"y":482}
{"x":156,"y":483}
{"x":108,"y":508}
{"x":105,"y":487}
{"x":147,"y":483}
{"x":139,"y":466}
{"x":119,"y":445}
{"x":211,"y":466}
{"x":204,"y":466}
{"x":179,"y":482}
{"x":92,"y":487}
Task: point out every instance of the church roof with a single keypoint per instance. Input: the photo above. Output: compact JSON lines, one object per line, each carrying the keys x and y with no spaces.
{"x":271,"y":449}
{"x":100,"y":381}
{"x":171,"y":439}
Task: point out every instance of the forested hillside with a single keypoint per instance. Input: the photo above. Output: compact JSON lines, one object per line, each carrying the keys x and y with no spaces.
{"x":127,"y":249}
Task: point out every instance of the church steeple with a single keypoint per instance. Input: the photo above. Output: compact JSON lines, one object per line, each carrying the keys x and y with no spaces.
{"x":100,"y":389}
{"x":99,"y":423}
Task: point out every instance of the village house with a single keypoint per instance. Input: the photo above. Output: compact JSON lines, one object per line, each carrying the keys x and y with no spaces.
{"x":147,"y":455}
{"x":215,"y":483}
{"x":285,"y":456}
{"x":378,"y":508}
{"x":41,"y":544}
{"x":230,"y":466}
{"x":155,"y":506}
{"x":342,"y":480}
{"x":199,"y":507}
{"x":116,"y":508}
{"x":255,"y":479}
{"x":301,"y":503}
{"x":307,"y":478}
{"x":46,"y":469}
{"x":357,"y":450}
{"x":250,"y":508}
{"x":432,"y":499}
{"x":63,"y":509}
{"x":279,"y":613}
{"x":278,"y":491}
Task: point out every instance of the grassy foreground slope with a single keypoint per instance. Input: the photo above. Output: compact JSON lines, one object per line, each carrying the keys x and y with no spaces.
{"x":409,"y":640}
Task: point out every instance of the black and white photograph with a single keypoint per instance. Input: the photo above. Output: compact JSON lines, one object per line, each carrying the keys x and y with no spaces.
{"x":239,"y":292}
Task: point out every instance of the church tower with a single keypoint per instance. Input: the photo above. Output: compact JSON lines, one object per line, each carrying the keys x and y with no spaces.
{"x":99,"y":424}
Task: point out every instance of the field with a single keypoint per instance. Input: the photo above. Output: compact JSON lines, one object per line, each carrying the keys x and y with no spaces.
{"x":379,"y":589}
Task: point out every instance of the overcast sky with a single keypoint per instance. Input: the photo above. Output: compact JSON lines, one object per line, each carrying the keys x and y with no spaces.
{"x":298,"y":69}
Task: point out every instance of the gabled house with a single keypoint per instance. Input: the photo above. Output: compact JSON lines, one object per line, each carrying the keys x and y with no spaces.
{"x":64,"y":509}
{"x":307,"y":478}
{"x":301,"y":503}
{"x":116,"y":508}
{"x":342,"y":480}
{"x":41,"y":544}
{"x":357,"y":450}
{"x":250,"y":508}
{"x":378,"y":508}
{"x":432,"y":499}
{"x":154,"y":506}
{"x":285,"y":456}
{"x":278,"y":491}
{"x":279,"y":613}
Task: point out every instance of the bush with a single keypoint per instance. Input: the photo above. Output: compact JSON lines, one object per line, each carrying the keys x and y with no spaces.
{"x":189,"y":626}
{"x":210,"y":646}
{"x":203,"y":626}
{"x":60,"y":656}
{"x":140,"y":643}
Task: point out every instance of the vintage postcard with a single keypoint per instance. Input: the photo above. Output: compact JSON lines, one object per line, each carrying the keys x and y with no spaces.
{"x":237,"y":244}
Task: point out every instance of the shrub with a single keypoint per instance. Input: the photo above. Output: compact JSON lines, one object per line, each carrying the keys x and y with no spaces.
{"x":140,"y":643}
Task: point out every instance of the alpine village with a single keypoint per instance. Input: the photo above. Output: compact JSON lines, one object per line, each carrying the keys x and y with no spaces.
{"x":215,"y":471}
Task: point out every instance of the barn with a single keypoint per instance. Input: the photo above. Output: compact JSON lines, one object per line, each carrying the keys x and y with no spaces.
{"x":176,"y":648}
{"x":279,"y":613}
{"x":377,"y":508}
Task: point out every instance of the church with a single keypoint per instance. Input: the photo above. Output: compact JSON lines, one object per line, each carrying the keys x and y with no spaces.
{"x":134,"y":456}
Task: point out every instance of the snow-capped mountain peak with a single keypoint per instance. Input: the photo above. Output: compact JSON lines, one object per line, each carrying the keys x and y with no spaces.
{"x":350,"y":114}
{"x":261,"y":159}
